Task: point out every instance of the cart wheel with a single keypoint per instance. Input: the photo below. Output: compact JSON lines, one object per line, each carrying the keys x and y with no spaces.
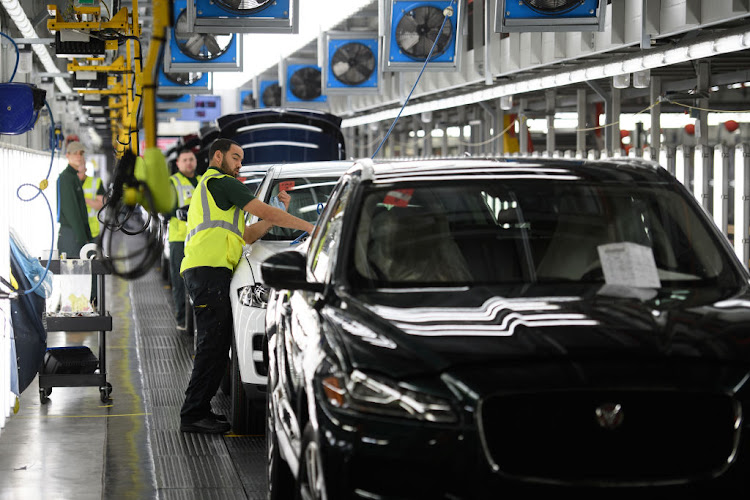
{"x":44,"y":394}
{"x":105,"y":392}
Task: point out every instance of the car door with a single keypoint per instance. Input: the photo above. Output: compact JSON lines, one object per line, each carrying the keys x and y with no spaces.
{"x":299,"y":325}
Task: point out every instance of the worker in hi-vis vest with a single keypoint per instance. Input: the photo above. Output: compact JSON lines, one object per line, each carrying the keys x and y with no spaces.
{"x":213,"y":247}
{"x":93,"y":195}
{"x":183,"y":183}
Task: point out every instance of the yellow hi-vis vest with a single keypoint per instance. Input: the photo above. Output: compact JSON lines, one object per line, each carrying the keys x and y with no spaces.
{"x":214,"y":235}
{"x":90,"y":187}
{"x":184,"y":190}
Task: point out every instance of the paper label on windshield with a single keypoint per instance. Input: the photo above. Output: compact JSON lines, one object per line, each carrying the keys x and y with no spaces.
{"x":629,"y":264}
{"x":398,"y":197}
{"x":286,"y":185}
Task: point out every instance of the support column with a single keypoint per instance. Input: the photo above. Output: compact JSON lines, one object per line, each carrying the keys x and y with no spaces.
{"x":500,"y":120}
{"x":580,"y":133}
{"x":522,"y":129}
{"x":551,"y":97}
{"x":613,"y":117}
{"x":655,"y":142}
{"x":707,"y":153}
{"x":445,"y":123}
{"x":461,"y":136}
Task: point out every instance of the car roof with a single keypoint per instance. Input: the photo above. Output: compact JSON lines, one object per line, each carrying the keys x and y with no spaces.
{"x":625,"y":169}
{"x":333,"y":168}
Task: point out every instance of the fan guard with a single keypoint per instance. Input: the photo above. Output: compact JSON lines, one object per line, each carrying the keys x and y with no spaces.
{"x":304,"y":84}
{"x":184,"y":78}
{"x":552,"y":7}
{"x":249,"y":100}
{"x":244,"y":6}
{"x":199,"y":46}
{"x":271,"y":96}
{"x":353,"y":63}
{"x":417,"y":29}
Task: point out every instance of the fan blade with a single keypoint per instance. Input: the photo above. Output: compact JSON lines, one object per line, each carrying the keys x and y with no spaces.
{"x":213,"y":46}
{"x":194,"y":44}
{"x":340,"y":68}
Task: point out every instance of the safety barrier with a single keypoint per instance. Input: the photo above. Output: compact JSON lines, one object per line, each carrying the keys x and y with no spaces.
{"x":31,"y":222}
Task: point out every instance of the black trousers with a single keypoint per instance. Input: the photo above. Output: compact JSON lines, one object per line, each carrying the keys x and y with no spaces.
{"x":209,"y":290}
{"x":176,"y":254}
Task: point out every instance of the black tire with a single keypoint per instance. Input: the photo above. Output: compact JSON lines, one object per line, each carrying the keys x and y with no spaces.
{"x":246,"y":418}
{"x":310,"y":480}
{"x":280,"y":478}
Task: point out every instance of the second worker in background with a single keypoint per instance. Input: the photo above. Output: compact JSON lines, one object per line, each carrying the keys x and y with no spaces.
{"x":183,"y":182}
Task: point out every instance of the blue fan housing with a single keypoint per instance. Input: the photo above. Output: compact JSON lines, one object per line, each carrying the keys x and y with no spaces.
{"x":290,"y":97}
{"x":263,"y":85}
{"x":400,"y":8}
{"x":166,"y":82}
{"x":333,"y":46}
{"x":519,"y":10}
{"x":244,"y":94}
{"x":231,"y":55}
{"x":208,"y":8}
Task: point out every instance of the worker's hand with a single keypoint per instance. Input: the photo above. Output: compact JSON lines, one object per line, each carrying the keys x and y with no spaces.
{"x":182,"y":212}
{"x":285,"y":199}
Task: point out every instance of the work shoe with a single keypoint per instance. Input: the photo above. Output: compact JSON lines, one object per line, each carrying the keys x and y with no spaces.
{"x":207,"y":425}
{"x":219,"y":417}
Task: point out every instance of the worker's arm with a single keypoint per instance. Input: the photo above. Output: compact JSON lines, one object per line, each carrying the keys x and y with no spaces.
{"x":97,"y":203}
{"x":256,"y":231}
{"x":276,"y":216}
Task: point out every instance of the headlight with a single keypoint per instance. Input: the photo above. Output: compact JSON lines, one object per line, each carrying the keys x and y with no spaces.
{"x":253,"y":296}
{"x":371,"y":394}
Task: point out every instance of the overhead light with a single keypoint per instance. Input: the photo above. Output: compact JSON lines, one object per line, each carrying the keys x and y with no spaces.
{"x":642,"y":79}
{"x":621,"y":81}
{"x":506,"y":102}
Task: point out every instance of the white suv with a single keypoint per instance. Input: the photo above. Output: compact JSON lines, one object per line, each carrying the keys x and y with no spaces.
{"x":309,"y":185}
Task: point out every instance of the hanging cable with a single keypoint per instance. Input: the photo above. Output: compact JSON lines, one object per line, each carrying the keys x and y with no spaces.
{"x":447,"y":12}
{"x":18,"y":56}
{"x":40,"y":191}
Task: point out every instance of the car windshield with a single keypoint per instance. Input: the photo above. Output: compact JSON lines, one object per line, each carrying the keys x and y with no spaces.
{"x":530,"y":231}
{"x":309,"y":196}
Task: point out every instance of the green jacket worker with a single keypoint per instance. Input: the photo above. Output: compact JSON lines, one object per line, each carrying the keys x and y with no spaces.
{"x":183,"y":183}
{"x":93,"y":195}
{"x":216,"y":233}
{"x":73,"y":214}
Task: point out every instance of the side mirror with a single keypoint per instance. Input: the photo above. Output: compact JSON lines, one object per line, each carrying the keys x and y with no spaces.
{"x":286,"y":270}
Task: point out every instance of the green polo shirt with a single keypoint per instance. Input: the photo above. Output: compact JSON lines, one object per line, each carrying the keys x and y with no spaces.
{"x":228,"y":192}
{"x":72,"y":205}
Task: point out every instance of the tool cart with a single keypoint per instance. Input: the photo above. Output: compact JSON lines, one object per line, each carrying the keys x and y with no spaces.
{"x":76,"y":366}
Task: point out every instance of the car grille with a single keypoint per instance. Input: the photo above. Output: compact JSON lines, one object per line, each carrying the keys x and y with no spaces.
{"x":659,"y":437}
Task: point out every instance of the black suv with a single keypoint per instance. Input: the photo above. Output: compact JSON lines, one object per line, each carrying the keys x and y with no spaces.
{"x":470,"y":328}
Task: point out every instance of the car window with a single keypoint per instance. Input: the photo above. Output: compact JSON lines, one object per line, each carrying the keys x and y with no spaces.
{"x":309,"y":197}
{"x":324,"y":251}
{"x":530,"y":232}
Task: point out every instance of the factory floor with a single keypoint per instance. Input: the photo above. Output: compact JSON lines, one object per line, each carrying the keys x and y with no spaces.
{"x":77,"y":447}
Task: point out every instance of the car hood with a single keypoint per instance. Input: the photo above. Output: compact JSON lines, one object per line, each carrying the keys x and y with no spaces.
{"x":408,"y":333}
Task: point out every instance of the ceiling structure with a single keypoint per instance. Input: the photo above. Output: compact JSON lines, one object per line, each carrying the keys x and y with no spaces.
{"x":694,"y":50}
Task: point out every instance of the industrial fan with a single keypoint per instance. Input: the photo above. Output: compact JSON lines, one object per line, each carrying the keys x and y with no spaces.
{"x":191,"y":51}
{"x":352,"y":63}
{"x":187,"y":82}
{"x":303,"y":83}
{"x":270,"y":94}
{"x":414,"y":28}
{"x":244,"y":16}
{"x":549,"y":15}
{"x":247,"y":99}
